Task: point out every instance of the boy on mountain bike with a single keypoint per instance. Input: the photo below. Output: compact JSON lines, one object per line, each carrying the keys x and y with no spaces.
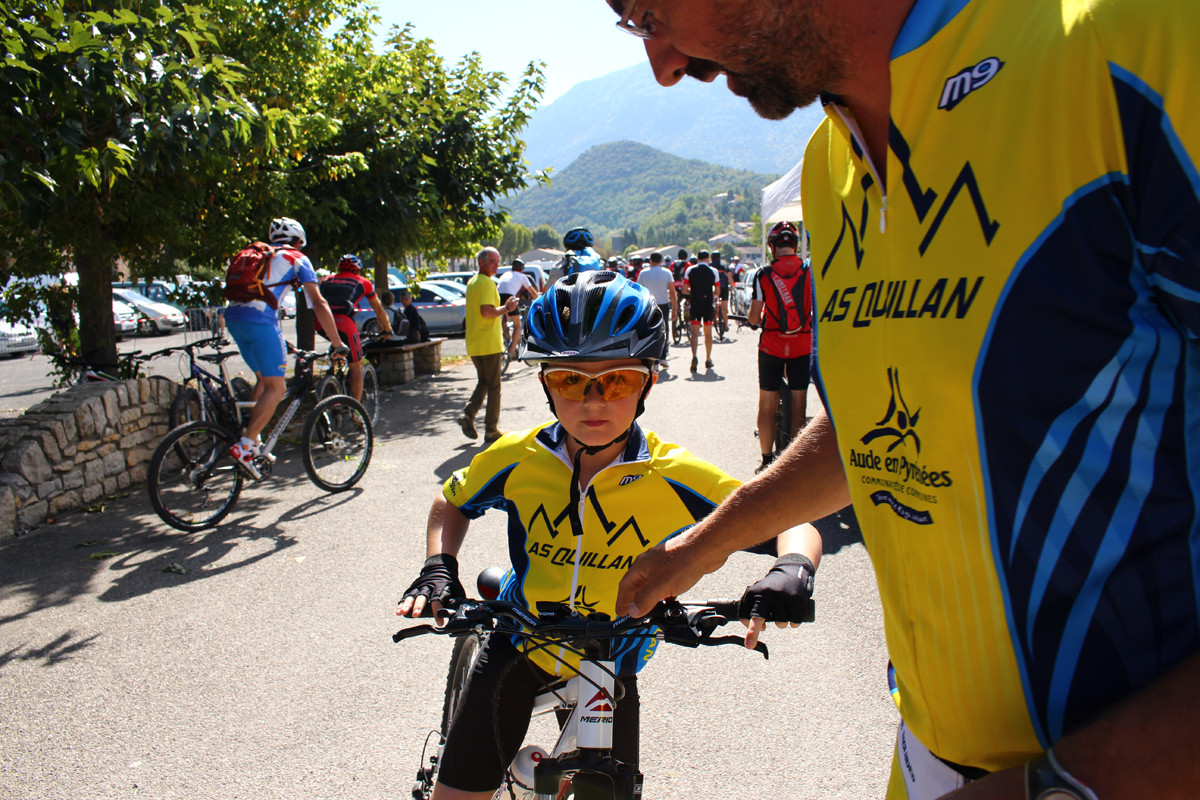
{"x":585,"y":495}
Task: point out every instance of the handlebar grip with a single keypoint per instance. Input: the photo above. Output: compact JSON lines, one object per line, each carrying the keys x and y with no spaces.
{"x":726,"y":607}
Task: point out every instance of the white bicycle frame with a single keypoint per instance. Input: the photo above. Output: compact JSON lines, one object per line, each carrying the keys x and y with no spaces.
{"x":589,"y":726}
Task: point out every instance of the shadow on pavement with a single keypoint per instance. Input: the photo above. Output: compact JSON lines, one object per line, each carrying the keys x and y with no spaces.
{"x":840,"y":529}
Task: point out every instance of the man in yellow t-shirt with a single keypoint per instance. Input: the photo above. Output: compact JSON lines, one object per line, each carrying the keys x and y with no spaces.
{"x":485,"y":344}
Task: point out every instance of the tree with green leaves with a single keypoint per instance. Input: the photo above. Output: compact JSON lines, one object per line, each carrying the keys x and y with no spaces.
{"x":113,"y":112}
{"x":546,"y":237}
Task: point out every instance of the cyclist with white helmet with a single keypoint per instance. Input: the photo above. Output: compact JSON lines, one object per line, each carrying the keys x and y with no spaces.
{"x":597,"y":337}
{"x":342,"y":290}
{"x":254,"y":326}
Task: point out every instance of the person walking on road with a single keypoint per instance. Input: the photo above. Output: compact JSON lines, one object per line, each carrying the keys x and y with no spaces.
{"x":781,"y":302}
{"x":703,"y":289}
{"x":661,"y":283}
{"x":1007,"y":342}
{"x":485,"y":345}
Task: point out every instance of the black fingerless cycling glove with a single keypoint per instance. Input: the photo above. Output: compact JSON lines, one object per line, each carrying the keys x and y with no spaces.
{"x":438,"y":581}
{"x":784,"y":594}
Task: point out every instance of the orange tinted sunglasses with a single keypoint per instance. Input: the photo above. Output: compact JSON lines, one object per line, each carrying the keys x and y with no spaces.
{"x":613,"y":384}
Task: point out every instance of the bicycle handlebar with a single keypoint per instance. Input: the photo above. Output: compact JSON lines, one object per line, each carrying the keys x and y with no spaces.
{"x":687,"y":624}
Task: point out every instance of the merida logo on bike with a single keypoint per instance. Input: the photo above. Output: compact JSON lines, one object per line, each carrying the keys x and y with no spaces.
{"x":599,"y":709}
{"x":959,"y":86}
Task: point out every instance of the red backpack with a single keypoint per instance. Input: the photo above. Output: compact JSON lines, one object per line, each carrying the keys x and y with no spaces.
{"x":245,"y":280}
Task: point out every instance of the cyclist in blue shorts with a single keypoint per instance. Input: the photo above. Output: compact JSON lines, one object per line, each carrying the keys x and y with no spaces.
{"x":611,"y":489}
{"x":255,"y":328}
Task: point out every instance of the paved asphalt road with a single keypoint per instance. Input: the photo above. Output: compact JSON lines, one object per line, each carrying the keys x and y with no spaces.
{"x":266,"y":669}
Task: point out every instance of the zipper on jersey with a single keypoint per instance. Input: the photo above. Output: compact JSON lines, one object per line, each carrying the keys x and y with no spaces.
{"x":856,"y":132}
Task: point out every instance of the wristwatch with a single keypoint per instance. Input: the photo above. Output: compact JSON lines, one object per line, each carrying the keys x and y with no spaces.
{"x":1045,"y":779}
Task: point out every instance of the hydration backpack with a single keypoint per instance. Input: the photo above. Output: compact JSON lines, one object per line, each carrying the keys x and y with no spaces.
{"x":342,"y":293}
{"x":245,"y":279}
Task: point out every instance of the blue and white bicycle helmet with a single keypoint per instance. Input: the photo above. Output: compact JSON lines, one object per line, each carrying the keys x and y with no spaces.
{"x":577,"y":239}
{"x":595,"y":316}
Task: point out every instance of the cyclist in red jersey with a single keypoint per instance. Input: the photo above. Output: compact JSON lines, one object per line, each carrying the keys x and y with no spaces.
{"x":342,"y":291}
{"x":782,"y":304}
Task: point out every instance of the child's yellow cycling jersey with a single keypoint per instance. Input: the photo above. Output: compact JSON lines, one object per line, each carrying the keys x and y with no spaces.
{"x":1007,"y":345}
{"x":651,"y":492}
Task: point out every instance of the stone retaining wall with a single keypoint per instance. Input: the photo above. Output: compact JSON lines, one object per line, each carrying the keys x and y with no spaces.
{"x":79,"y":446}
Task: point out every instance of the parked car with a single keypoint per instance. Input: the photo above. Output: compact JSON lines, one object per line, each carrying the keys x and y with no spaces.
{"x":453,"y":286}
{"x":287,"y":307}
{"x":152,"y":317}
{"x":158,"y":291}
{"x":458,"y":277}
{"x":125,"y":319}
{"x":444,"y":310}
{"x":739,"y":304}
{"x":15,"y":337}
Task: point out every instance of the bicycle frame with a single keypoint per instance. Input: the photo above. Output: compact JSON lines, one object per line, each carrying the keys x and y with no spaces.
{"x":582,"y":757}
{"x":222,"y":398}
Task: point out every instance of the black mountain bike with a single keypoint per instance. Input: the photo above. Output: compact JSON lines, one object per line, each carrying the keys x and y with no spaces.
{"x":207,"y":396}
{"x":194,"y":482}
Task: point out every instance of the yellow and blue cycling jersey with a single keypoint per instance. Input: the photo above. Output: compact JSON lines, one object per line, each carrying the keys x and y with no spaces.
{"x":1007,"y":345}
{"x":651,"y":492}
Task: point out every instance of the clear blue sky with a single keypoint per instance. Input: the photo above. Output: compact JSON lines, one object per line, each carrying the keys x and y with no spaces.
{"x":577,"y":39}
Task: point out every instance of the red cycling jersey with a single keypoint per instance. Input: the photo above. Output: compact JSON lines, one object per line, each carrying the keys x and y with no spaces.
{"x":785,"y":290}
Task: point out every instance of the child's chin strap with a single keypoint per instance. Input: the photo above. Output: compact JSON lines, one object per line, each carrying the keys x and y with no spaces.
{"x":576,"y":472}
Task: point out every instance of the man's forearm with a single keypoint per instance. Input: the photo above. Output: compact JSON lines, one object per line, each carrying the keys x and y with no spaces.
{"x":806,"y":483}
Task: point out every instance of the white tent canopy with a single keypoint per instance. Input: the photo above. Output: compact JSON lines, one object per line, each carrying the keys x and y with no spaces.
{"x":781,"y":201}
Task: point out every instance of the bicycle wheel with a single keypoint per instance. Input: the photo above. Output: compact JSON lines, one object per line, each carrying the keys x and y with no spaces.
{"x":337,"y":443}
{"x":676,"y":331}
{"x":462,"y":661}
{"x":193,"y":482}
{"x":329,"y":386}
{"x":370,"y":393}
{"x":241,"y":388}
{"x":188,"y":406}
{"x":783,"y":419}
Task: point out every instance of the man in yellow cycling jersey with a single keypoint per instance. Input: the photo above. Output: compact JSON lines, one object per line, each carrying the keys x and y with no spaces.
{"x":1006,"y":328}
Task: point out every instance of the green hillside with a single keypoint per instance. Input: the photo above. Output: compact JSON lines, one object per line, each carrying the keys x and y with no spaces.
{"x":625,"y":185}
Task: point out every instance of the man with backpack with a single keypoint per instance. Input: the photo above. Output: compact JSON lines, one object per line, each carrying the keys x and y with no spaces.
{"x":258,"y":278}
{"x":782,"y":304}
{"x":342,"y":290}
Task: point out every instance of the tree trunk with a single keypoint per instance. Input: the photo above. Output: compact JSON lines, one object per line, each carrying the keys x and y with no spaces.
{"x":97,"y":338}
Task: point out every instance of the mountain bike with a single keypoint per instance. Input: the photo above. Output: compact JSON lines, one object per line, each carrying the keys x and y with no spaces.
{"x":581,"y":764}
{"x":194,"y":482}
{"x":127,"y":367}
{"x":505,"y":358}
{"x":209,"y":396}
{"x":337,"y":381}
{"x":679,"y":325}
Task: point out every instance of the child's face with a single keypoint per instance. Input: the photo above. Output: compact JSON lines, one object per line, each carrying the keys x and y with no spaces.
{"x":592,"y":419}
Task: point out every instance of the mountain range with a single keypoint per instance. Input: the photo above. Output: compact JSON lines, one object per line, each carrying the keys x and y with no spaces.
{"x":692,"y":120}
{"x":622,"y":185}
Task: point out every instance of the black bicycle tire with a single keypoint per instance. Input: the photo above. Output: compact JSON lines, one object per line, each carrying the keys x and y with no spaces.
{"x":783,"y":419}
{"x":242,"y":390}
{"x":171,"y":445}
{"x":329,"y":409}
{"x":186,"y":407}
{"x":462,"y":660}
{"x":370,"y":392}
{"x":329,"y":386}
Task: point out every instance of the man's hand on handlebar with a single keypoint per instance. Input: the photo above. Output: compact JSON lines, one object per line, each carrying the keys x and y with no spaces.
{"x":783,"y":596}
{"x":435,"y":587}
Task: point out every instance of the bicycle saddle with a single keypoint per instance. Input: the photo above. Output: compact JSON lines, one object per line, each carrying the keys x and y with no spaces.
{"x":216,"y":358}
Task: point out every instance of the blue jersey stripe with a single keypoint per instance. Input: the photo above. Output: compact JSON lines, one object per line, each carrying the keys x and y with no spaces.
{"x":926,"y":18}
